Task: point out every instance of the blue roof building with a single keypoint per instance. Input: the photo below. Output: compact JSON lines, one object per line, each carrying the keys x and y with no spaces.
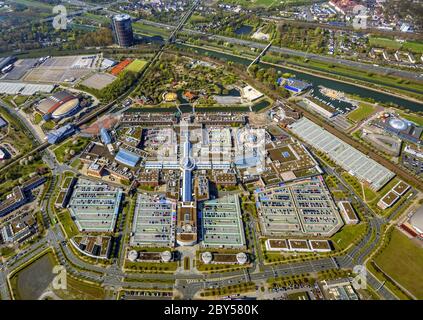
{"x":127,"y":158}
{"x":293,"y":84}
{"x":3,"y":122}
{"x":63,"y":132}
{"x":105,"y":136}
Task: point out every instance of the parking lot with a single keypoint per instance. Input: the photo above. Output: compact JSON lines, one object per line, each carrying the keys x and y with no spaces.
{"x":63,"y":69}
{"x":95,"y":207}
{"x":20,"y":68}
{"x":222,"y":223}
{"x":301,"y":208}
{"x":154,"y":222}
{"x":99,"y":80}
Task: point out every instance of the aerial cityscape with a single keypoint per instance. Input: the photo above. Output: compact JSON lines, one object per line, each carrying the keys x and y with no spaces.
{"x":211,"y":150}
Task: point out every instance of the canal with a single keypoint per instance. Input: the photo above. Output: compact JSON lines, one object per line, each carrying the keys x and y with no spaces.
{"x":318,"y":81}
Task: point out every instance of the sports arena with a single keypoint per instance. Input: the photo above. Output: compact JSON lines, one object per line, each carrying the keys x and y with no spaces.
{"x":59,"y":105}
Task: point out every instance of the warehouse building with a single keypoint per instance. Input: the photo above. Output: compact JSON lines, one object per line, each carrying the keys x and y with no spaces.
{"x":350,"y":159}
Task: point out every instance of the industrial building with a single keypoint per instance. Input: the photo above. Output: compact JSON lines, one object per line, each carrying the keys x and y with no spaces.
{"x":412,"y":158}
{"x":294,"y":85}
{"x":105,"y":136}
{"x":6,"y":61}
{"x":350,"y":159}
{"x":393,"y":195}
{"x":3,"y":123}
{"x":18,"y":197}
{"x":24,"y":89}
{"x":348,"y":212}
{"x":122,"y":30}
{"x":19,"y":228}
{"x":59,"y":105}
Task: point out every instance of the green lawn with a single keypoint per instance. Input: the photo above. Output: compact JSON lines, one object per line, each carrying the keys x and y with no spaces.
{"x":363,"y":111}
{"x":136,"y":66}
{"x":385,"y":43}
{"x":259,"y":3}
{"x":402,"y":260}
{"x":37,"y":118}
{"x":38,"y":4}
{"x":21,"y":100}
{"x":150,"y":30}
{"x":48,"y":125}
{"x":414,"y":118}
{"x":68,"y":224}
{"x":81,"y":290}
{"x":413,"y":46}
{"x":348,"y":234}
{"x":62,"y":152}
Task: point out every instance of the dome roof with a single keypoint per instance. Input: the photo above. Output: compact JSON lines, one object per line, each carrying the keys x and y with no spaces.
{"x":66,"y":108}
{"x":398,"y":124}
{"x":132,"y":255}
{"x":207,"y":257}
{"x":166,"y":256}
{"x":241,"y":257}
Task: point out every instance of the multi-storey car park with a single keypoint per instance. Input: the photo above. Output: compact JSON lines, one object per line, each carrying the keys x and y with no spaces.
{"x":350,"y":159}
{"x":222,"y":223}
{"x":95,"y":207}
{"x":154,"y":222}
{"x":302,"y":208}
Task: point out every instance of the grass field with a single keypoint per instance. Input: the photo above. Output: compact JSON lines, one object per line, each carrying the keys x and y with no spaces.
{"x":136,"y":66}
{"x":62,"y":152}
{"x":414,"y":118}
{"x":363,"y":111}
{"x":348,"y":234}
{"x":79,"y":290}
{"x":37,"y":118}
{"x":68,"y":224}
{"x":402,"y":260}
{"x":385,"y":43}
{"x":413,"y":46}
{"x":37,"y":4}
{"x":150,"y":30}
